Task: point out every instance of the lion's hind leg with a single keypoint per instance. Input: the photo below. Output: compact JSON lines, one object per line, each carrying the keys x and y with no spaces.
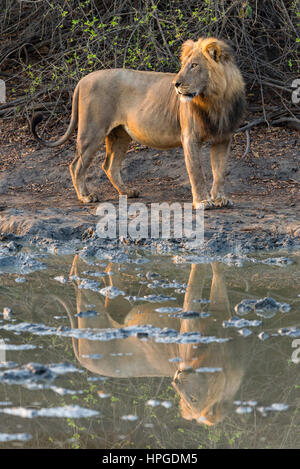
{"x":86,"y":150}
{"x":116,"y":147}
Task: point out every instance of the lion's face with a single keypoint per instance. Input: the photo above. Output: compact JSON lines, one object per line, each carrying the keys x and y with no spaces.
{"x":193,"y":389}
{"x":207,"y":397}
{"x":193,"y":78}
{"x":198,"y":60}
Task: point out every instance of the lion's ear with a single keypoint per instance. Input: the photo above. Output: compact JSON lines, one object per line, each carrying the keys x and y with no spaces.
{"x":213,"y":49}
{"x":186,"y":49}
{"x":218,"y":51}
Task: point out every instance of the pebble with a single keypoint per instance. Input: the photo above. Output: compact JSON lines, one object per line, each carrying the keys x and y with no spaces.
{"x":87,"y":314}
{"x":153,"y":403}
{"x":61,"y":279}
{"x":205,"y":369}
{"x":166,"y":404}
{"x":280,"y":261}
{"x":263,"y":336}
{"x":266,"y":304}
{"x":240,"y":323}
{"x":265,"y":307}
{"x":87,"y":284}
{"x":244,"y":410}
{"x":130,"y":417}
{"x":168,"y":309}
{"x":68,"y":411}
{"x":111,"y":292}
{"x":276,"y":407}
{"x":245,"y":403}
{"x":151,"y":298}
{"x":245,"y":307}
{"x":4,"y":437}
{"x":244,"y":332}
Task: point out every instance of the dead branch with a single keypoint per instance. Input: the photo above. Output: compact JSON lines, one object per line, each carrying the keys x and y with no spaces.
{"x":53,"y":44}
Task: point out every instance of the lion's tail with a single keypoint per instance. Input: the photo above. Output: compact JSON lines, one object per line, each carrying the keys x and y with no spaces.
{"x":38,"y":117}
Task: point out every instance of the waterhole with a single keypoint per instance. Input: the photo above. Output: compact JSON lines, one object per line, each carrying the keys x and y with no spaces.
{"x":149,"y":351}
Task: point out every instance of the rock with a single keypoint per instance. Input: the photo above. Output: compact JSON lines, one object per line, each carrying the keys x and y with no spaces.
{"x":284,"y":307}
{"x":280,"y":261}
{"x":61,"y":279}
{"x":111,"y":292}
{"x":263,"y":336}
{"x":87,"y":314}
{"x":88,"y":284}
{"x":129,"y":418}
{"x":152,"y":275}
{"x":240,"y":323}
{"x":244,"y":332}
{"x":244,"y":410}
{"x":266,"y":304}
{"x":245,"y":307}
{"x":20,"y":280}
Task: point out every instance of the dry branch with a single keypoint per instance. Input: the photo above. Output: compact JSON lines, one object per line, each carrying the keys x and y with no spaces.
{"x":46,"y":46}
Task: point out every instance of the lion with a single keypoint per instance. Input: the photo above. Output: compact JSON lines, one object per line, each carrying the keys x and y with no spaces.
{"x":204,"y":397}
{"x":204,"y":102}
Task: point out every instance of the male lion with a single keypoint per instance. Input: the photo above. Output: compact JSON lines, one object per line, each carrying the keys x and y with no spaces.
{"x":203,"y":102}
{"x":205,"y":397}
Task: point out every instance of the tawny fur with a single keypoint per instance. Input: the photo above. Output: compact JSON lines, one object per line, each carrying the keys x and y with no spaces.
{"x":118,"y":105}
{"x":205,"y":397}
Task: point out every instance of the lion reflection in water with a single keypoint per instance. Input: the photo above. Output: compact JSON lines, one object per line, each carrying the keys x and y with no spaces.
{"x":205,"y":397}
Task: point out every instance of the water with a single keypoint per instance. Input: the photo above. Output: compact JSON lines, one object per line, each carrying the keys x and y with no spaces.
{"x":149,"y":351}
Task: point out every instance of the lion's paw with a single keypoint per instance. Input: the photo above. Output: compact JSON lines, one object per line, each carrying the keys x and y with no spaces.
{"x":207,"y":204}
{"x":223,"y":202}
{"x":133,"y":194}
{"x":88,"y":199}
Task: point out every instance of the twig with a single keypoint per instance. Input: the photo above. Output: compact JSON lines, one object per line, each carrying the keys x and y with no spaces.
{"x":249,"y":126}
{"x":162,"y":33}
{"x":264,"y":40}
{"x":24,"y":99}
{"x":248,"y":144}
{"x":286,"y":119}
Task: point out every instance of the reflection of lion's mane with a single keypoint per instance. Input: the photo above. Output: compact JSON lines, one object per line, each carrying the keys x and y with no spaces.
{"x":206,"y":397}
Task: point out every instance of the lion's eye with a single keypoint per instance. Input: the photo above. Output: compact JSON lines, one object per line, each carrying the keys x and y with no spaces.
{"x":194,"y":65}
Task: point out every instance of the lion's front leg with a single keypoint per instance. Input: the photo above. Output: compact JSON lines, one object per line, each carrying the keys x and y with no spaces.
{"x":219,"y":154}
{"x":197,"y":178}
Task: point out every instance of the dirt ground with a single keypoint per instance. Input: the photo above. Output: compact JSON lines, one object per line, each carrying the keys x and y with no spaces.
{"x":35,"y":183}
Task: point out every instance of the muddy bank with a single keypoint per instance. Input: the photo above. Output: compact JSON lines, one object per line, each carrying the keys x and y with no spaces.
{"x":38,"y":202}
{"x":61,"y":233}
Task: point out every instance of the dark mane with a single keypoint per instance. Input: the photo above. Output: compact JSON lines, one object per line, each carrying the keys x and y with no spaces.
{"x":223,"y":124}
